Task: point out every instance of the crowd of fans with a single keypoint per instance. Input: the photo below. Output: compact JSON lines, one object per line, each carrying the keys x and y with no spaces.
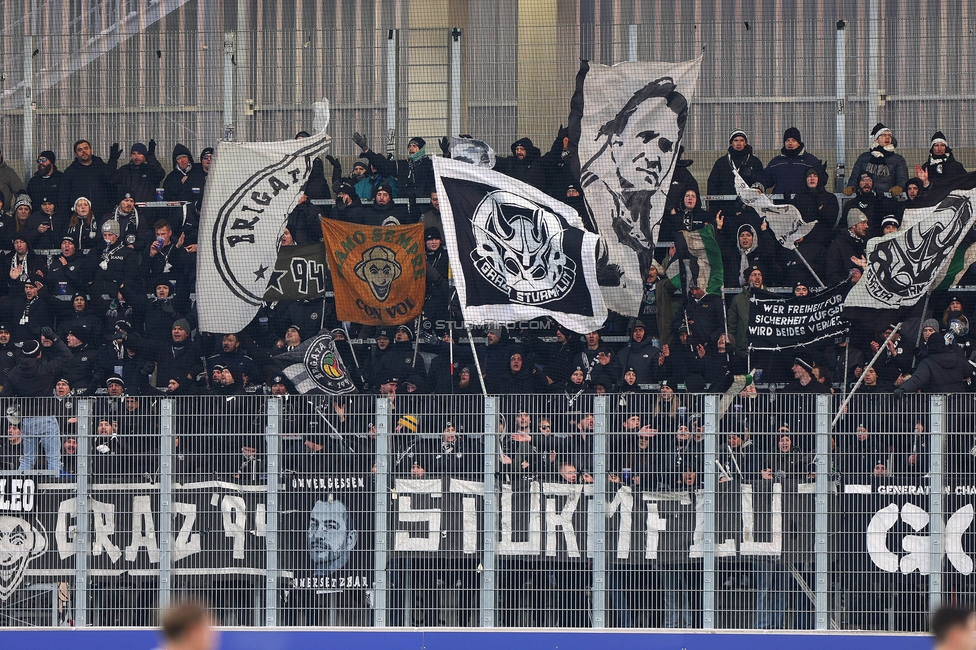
{"x":110,"y":309}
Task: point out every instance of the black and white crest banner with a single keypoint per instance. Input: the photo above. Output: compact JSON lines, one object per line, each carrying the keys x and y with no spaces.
{"x":251,"y":189}
{"x":633,"y":122}
{"x":520,"y":254}
{"x":903,"y":266}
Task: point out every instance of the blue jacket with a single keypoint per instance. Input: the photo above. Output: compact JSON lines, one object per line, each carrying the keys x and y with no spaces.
{"x":787,"y":171}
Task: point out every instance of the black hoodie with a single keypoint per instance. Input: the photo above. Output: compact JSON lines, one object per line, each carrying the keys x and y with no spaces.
{"x":528,"y":170}
{"x":53,"y":187}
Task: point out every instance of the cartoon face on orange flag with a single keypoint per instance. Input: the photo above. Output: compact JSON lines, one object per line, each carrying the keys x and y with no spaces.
{"x":379,"y":273}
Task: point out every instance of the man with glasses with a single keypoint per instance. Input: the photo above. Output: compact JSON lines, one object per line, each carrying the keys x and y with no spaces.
{"x":47,"y":181}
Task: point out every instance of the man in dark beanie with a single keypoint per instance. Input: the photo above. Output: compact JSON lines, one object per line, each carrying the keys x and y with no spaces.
{"x":415,"y":174}
{"x":738,"y":158}
{"x":347,"y":206}
{"x":941,"y":164}
{"x":787,"y":171}
{"x":142,"y":175}
{"x":34,"y":376}
{"x":888,"y":170}
{"x":47,"y":182}
{"x":384,"y":212}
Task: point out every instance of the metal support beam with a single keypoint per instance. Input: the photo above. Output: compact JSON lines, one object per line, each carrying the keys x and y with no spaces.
{"x":455,"y":81}
{"x":82,"y":528}
{"x":165,"y":502}
{"x":391,"y":91}
{"x":840,"y":121}
{"x":708,"y":494}
{"x":486,"y":614}
{"x":821,"y":510}
{"x":631,"y":42}
{"x":229,"y":88}
{"x":383,"y":432}
{"x":937,"y":407}
{"x":601,"y":426}
{"x":28,"y":133}
{"x":271,"y":541}
{"x":874,"y":92}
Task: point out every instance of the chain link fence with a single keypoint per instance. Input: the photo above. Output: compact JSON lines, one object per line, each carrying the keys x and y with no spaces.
{"x":747,"y":511}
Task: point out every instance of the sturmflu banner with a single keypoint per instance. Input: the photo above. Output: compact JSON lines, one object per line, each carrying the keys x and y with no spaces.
{"x":633,"y":123}
{"x":379,"y":273}
{"x":251,"y":190}
{"x":904,"y":265}
{"x":517,"y":253}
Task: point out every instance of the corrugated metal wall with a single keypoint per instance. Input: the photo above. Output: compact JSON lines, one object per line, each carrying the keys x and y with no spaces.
{"x":768,"y":65}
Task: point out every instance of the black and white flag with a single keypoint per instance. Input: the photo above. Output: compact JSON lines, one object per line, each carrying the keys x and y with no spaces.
{"x":251,"y":190}
{"x":904,"y":265}
{"x":784,"y":220}
{"x":520,"y":254}
{"x":633,"y":121}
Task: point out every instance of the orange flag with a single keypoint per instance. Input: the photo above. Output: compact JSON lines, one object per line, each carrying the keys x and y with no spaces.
{"x":379,"y":273}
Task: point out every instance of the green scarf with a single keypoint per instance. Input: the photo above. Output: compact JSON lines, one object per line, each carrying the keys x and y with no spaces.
{"x":421,"y":153}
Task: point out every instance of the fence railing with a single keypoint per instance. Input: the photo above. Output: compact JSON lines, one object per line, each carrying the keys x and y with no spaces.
{"x":636,"y":510}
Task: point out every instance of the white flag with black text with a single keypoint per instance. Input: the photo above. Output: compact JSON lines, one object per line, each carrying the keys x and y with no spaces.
{"x":251,"y":189}
{"x":517,"y":253}
{"x":633,"y":122}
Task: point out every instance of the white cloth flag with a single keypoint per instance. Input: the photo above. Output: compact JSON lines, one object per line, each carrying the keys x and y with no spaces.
{"x":904,"y":265}
{"x":633,"y":122}
{"x":516,"y":252}
{"x":251,"y":189}
{"x":784,"y":220}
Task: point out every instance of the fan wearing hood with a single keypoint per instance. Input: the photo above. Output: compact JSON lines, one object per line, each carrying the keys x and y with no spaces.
{"x":739,"y":158}
{"x":787,"y":172}
{"x":525,"y":164}
{"x":744,"y":249}
{"x":688,"y":215}
{"x":941,"y":164}
{"x":681,"y":181}
{"x":888,"y":170}
{"x":558,"y":164}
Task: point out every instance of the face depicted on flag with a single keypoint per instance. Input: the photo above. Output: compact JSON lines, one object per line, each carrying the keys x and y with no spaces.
{"x":631,"y":132}
{"x":379,"y":273}
{"x":520,"y":253}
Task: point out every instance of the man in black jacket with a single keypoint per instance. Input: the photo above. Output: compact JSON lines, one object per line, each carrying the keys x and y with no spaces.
{"x":48,"y":182}
{"x":739,"y":158}
{"x":945,"y":370}
{"x":34,"y":376}
{"x":142,"y":175}
{"x":91,"y":177}
{"x":849,"y":244}
{"x":941,"y":164}
{"x":525,"y":164}
{"x":180,"y":357}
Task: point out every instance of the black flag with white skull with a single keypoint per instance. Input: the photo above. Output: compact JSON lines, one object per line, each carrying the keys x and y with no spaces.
{"x":517,"y":252}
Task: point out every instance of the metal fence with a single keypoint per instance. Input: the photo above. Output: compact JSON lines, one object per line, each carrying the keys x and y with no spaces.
{"x":193,"y":72}
{"x":651,"y":510}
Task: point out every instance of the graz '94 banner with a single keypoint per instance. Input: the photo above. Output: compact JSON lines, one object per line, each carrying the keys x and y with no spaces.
{"x":633,"y":121}
{"x":251,"y":190}
{"x":379,"y":273}
{"x":778,"y":322}
{"x":517,"y":253}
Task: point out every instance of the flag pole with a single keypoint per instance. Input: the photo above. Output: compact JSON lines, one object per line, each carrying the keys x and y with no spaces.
{"x":864,"y":373}
{"x":450,"y":343}
{"x":918,"y":335}
{"x":352,"y":349}
{"x":809,"y":268}
{"x":477,"y":362}
{"x":847,"y":358}
{"x":416,"y":344}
